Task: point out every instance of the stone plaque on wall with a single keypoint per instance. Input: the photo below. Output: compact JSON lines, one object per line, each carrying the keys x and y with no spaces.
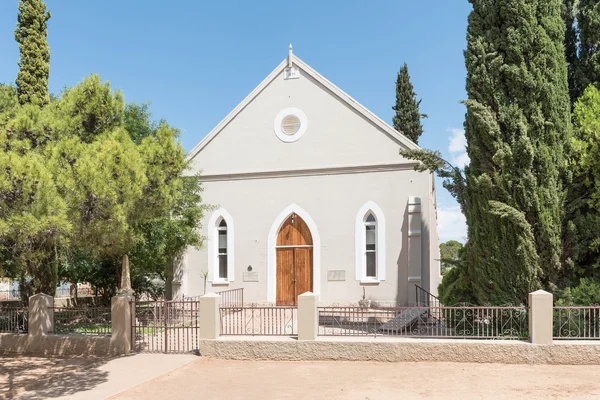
{"x":251,"y":276}
{"x":336,"y":275}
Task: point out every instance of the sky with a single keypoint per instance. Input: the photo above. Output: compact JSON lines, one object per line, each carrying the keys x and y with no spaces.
{"x":194,"y":61}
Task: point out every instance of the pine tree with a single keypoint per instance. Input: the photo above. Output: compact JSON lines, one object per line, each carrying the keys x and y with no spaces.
{"x":407,"y":118}
{"x":34,"y":65}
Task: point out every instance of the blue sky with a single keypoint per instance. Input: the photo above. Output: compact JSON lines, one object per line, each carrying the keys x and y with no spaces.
{"x":196,"y":60}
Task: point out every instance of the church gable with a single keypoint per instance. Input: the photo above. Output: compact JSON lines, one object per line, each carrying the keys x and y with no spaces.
{"x":297,"y":120}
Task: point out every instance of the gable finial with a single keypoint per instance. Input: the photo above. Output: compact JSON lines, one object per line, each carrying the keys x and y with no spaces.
{"x":290,"y":56}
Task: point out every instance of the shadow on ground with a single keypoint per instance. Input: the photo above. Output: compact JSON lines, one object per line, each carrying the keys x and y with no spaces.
{"x":43,"y":378}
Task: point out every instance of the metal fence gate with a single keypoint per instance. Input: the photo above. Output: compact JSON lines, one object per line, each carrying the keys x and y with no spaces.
{"x":165,"y":326}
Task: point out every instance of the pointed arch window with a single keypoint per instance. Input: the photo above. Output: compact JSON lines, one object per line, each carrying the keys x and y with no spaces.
{"x":370,"y":244}
{"x":220,"y":248}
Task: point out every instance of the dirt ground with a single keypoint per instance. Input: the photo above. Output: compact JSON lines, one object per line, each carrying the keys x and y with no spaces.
{"x":232,"y":380}
{"x":36,"y":378}
{"x":160,"y":376}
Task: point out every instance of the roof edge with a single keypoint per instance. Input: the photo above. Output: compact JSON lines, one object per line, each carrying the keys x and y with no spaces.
{"x":345,"y":97}
{"x":225,"y":121}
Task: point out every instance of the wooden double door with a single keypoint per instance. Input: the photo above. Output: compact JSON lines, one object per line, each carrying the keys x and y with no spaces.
{"x":294,"y":261}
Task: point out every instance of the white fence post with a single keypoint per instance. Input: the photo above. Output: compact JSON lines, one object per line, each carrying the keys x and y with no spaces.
{"x":120,"y":320}
{"x":41,"y":314}
{"x":540,"y":317}
{"x":308,"y":316}
{"x":210,"y":318}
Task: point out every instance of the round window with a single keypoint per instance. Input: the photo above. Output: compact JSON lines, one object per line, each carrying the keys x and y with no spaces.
{"x":290,"y":124}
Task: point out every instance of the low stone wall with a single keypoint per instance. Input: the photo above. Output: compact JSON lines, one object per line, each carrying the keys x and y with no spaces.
{"x":56,"y":345}
{"x":390,"y":350}
{"x":40,"y":340}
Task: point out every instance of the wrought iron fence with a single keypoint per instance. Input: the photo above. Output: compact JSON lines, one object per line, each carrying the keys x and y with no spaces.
{"x":576,"y":322}
{"x":83,"y":320}
{"x":14,"y":319}
{"x":465,"y":322}
{"x":165,"y":326}
{"x":258,"y":320}
{"x":232,"y":297}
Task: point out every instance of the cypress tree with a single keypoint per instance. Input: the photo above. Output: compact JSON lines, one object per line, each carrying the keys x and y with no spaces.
{"x":34,"y":64}
{"x":518,"y":126}
{"x":571,"y":51}
{"x":407,"y":118}
{"x":517,"y":129}
{"x":588,"y":21}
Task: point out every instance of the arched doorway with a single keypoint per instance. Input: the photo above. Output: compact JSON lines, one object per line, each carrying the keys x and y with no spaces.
{"x":294,"y":260}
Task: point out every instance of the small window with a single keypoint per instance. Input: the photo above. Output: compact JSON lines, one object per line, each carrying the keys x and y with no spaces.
{"x":290,"y":124}
{"x":221,"y":249}
{"x":222,"y":253}
{"x":369,"y":233}
{"x":371,"y":246}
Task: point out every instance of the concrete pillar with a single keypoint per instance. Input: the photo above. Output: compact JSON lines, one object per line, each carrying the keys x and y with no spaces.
{"x":210,"y":316}
{"x":41,"y":314}
{"x":540,"y":317}
{"x":414,"y":247}
{"x":122,"y":330}
{"x":308,"y":316}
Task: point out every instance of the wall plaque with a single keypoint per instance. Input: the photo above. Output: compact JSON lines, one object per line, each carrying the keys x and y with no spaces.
{"x":336,"y":275}
{"x":251,"y":276}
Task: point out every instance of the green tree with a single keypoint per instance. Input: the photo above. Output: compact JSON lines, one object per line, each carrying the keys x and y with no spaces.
{"x":34,"y":64}
{"x":122,"y":175}
{"x":33,"y":216}
{"x":86,"y":180}
{"x":517,"y":129}
{"x":8,"y":98}
{"x":585,"y":293}
{"x":407,"y":118}
{"x":571,"y":44}
{"x":584,"y":207}
{"x":449,"y":255}
{"x":588,"y":22}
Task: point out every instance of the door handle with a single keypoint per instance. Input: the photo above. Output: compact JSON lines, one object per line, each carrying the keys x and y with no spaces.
{"x":293,"y":281}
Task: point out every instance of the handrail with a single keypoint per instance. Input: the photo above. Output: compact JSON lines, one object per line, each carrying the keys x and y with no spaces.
{"x":424,"y":298}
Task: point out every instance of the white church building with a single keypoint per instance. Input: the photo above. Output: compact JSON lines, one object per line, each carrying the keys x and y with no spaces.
{"x":309,"y":193}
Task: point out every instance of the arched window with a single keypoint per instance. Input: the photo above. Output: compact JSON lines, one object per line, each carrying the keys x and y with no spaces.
{"x":220,"y":248}
{"x":370,"y":244}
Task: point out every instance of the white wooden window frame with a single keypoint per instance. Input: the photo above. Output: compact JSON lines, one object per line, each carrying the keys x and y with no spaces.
{"x":360,"y":236}
{"x":367,"y":251}
{"x":213,"y":247}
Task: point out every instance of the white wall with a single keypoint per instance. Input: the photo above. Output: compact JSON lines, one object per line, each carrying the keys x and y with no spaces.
{"x":332,"y":202}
